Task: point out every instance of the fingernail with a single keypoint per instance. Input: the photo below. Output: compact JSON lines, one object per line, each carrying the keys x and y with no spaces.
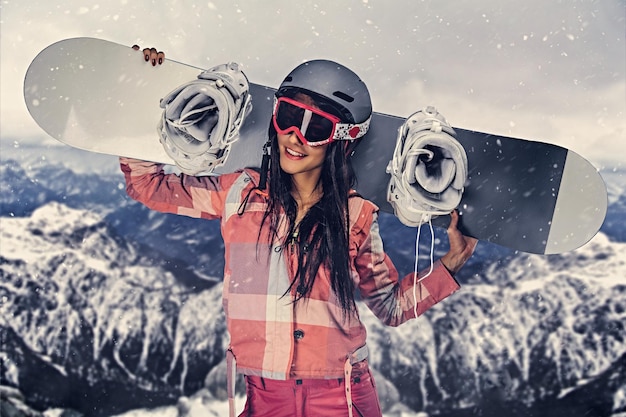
{"x":154,"y":62}
{"x":147,"y":58}
{"x":160,"y":61}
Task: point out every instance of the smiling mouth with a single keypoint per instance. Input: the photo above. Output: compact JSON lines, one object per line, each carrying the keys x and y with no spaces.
{"x":294,"y":153}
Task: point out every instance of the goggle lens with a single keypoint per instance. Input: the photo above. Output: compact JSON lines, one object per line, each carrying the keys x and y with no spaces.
{"x":315,"y":126}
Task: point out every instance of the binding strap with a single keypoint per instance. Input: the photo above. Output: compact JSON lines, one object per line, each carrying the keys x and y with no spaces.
{"x":428,"y":169}
{"x":201,"y":119}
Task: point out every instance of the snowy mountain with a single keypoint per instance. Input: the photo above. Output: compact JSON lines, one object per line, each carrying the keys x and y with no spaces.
{"x":83,"y":308}
{"x":542,"y":327}
{"x":179,"y":240}
{"x":107,"y":307}
{"x":614,"y":224}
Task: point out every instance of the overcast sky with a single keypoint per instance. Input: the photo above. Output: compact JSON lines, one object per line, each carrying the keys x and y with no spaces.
{"x":547,"y":70}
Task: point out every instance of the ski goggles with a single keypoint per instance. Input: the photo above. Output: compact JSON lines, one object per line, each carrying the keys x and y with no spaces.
{"x":313,"y":126}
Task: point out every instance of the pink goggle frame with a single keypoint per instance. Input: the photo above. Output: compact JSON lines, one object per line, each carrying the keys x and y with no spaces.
{"x":313,"y":126}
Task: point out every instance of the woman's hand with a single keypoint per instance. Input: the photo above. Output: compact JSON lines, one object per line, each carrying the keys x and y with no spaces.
{"x":461,"y":247}
{"x":151,"y":55}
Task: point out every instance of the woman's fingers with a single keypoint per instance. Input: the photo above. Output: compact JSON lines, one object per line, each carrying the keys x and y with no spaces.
{"x":461,"y":247}
{"x":151,"y":55}
{"x":454,"y":220}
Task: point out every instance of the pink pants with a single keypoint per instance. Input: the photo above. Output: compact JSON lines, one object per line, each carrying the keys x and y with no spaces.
{"x":310,"y":397}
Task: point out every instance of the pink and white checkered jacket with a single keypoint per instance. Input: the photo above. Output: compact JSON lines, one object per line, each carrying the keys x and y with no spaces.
{"x":271,"y":336}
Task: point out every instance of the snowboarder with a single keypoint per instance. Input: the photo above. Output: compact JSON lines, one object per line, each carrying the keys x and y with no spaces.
{"x":297,"y":250}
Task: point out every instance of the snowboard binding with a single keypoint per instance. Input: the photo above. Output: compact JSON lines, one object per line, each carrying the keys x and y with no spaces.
{"x":201,"y":119}
{"x":428,"y":169}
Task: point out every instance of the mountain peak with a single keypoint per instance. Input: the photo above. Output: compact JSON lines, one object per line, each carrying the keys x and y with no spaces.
{"x":56,"y":218}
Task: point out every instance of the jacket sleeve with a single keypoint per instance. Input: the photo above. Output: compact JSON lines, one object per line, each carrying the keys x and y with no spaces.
{"x":146,"y":182}
{"x":390,"y":299}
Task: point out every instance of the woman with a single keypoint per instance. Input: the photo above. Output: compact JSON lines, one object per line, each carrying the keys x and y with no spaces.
{"x":296,"y":255}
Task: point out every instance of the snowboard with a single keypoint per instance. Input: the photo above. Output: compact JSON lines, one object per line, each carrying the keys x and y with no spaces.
{"x":526,"y":195}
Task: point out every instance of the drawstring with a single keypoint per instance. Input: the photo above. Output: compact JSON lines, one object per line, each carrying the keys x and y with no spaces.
{"x":347,"y":373}
{"x":231,"y":374}
{"x":357,"y":356}
{"x":265,"y":163}
{"x":425,"y":217}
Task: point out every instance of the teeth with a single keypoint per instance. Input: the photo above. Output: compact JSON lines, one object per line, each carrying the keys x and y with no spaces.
{"x":294,"y":153}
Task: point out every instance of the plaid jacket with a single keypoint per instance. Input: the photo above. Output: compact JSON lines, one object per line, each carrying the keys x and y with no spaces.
{"x":270,"y":335}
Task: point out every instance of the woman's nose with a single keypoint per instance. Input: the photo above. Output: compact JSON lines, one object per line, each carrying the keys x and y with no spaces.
{"x":294,"y":138}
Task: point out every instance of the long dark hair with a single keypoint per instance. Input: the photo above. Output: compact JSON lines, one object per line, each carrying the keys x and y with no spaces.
{"x":323,"y":233}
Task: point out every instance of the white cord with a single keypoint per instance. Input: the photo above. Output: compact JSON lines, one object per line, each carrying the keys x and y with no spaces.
{"x":416,"y":281}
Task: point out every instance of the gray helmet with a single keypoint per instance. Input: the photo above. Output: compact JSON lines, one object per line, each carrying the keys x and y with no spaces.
{"x":337,"y":85}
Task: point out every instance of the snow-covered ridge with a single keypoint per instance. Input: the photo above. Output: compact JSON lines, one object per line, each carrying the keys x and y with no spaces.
{"x":89,"y":307}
